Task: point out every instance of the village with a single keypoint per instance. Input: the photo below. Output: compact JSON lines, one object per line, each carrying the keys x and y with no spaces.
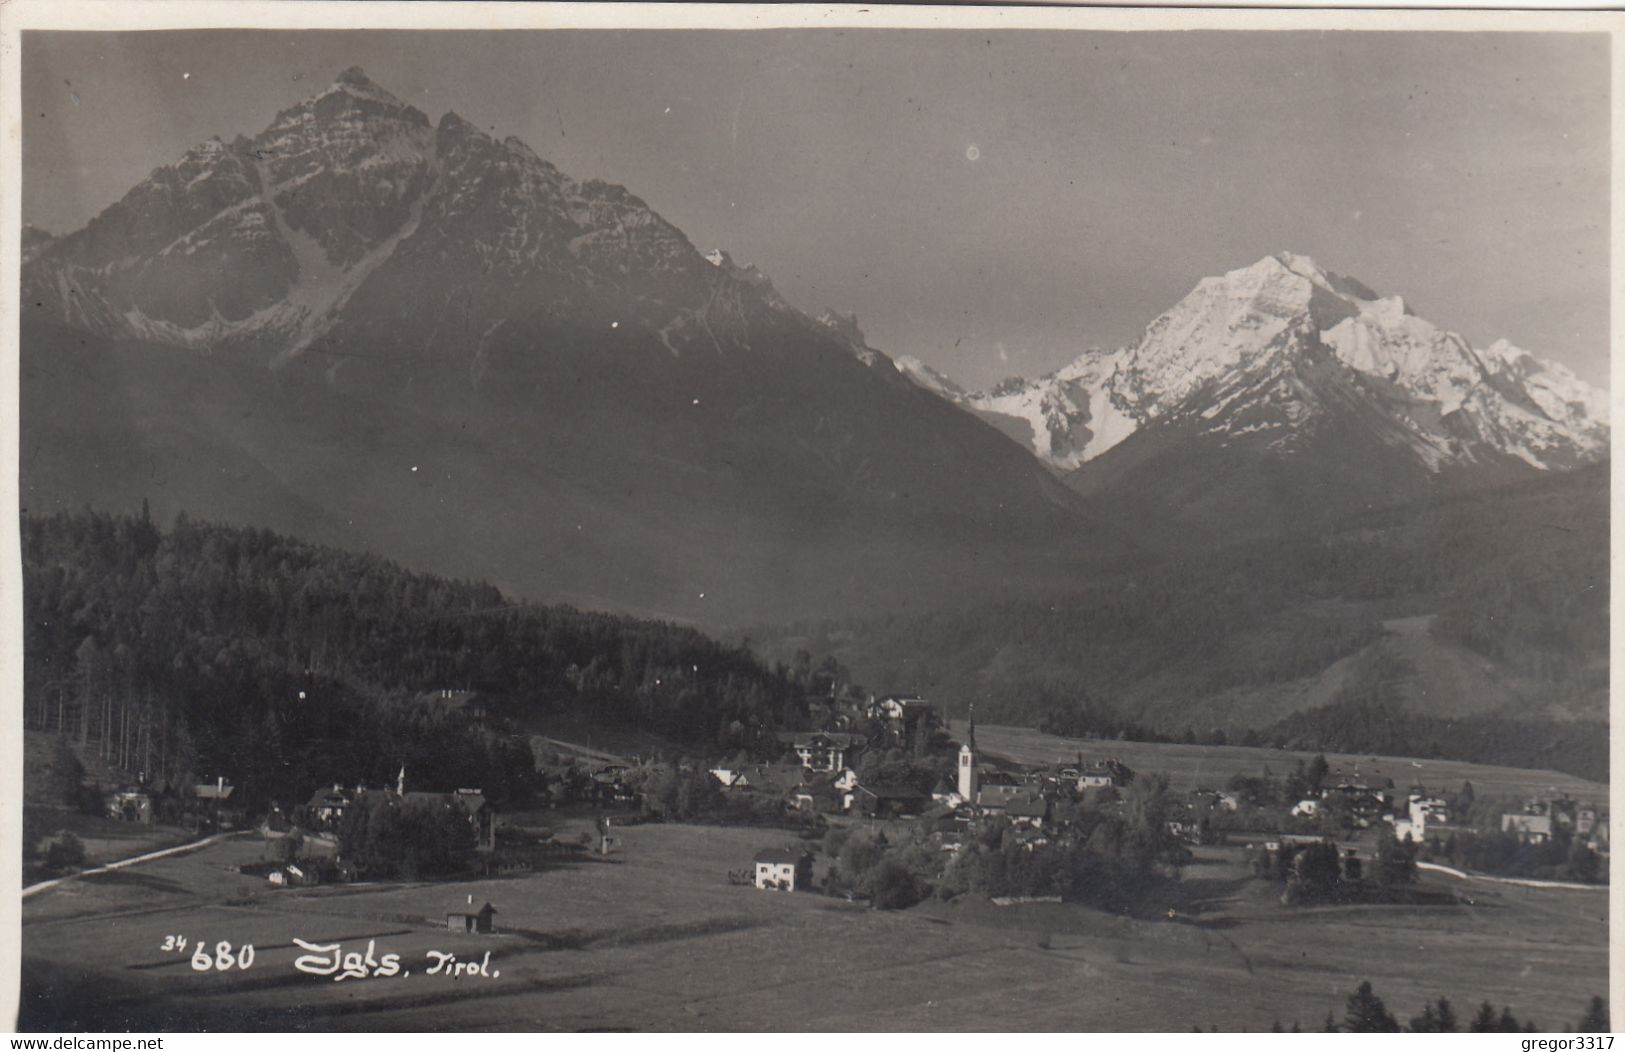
{"x":886,"y":811}
{"x":891,"y":765}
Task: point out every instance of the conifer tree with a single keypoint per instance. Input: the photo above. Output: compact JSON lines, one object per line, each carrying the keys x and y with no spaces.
{"x":1595,"y":1020}
{"x":1366,"y":1014}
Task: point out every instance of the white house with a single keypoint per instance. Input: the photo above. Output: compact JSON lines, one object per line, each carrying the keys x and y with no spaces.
{"x":897,"y":707}
{"x":1096,"y":776}
{"x":1421,"y":812}
{"x":1428,"y":810}
{"x":822,"y":750}
{"x":1306,"y":808}
{"x":781,"y":869}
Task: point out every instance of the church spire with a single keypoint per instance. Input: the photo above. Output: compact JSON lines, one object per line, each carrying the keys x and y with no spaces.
{"x":969,"y":783}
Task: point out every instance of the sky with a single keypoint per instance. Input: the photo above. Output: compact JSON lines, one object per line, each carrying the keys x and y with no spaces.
{"x":990,"y":202}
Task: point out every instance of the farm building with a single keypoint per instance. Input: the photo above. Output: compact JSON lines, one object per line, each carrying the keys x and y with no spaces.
{"x":1094,"y":777}
{"x":212,"y":803}
{"x":464,"y":704}
{"x":783,"y":869}
{"x":998,"y":798}
{"x":1030,"y":811}
{"x":476,"y":921}
{"x":218,"y":793}
{"x":900,"y":707}
{"x":887,"y":801}
{"x":726,"y":776}
{"x":822,"y":750}
{"x":327,"y":806}
{"x":131,"y":805}
{"x":1531,"y":829}
{"x":773,"y":779}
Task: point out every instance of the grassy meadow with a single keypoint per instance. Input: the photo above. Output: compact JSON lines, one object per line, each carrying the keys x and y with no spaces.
{"x":1194,"y":766}
{"x":654,"y":937}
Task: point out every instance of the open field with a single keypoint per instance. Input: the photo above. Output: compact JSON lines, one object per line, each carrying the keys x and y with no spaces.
{"x":592,"y":741}
{"x":105,"y":839}
{"x":1191,"y":766}
{"x":655,"y":938}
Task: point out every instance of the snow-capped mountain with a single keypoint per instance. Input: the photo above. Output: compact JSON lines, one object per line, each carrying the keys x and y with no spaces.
{"x":613,"y":416}
{"x":1275,"y":352}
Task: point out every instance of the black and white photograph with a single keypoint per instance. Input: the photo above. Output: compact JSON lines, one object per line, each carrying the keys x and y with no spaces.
{"x":678,"y":518}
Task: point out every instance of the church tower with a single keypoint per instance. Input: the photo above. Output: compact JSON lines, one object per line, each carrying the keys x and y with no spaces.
{"x":967,"y":763}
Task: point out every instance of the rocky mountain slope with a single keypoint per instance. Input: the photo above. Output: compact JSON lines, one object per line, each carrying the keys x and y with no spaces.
{"x":413,"y":337}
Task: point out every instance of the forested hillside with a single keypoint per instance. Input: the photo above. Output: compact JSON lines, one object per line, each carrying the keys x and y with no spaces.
{"x":1511,"y":581}
{"x":210,"y":651}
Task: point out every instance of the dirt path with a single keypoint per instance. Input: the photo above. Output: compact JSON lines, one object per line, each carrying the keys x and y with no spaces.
{"x":1521,"y":882}
{"x":46,"y":885}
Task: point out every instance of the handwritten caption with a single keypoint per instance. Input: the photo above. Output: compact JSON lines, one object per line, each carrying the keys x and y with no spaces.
{"x":329,"y":960}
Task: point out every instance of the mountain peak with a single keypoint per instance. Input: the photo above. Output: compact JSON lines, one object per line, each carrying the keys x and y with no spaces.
{"x":355,"y":84}
{"x":1305,"y":267}
{"x":1297,"y":263}
{"x":1283,"y":346}
{"x":452,"y":121}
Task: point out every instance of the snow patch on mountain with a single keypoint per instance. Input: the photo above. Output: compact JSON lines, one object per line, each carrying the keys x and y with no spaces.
{"x":930,"y":379}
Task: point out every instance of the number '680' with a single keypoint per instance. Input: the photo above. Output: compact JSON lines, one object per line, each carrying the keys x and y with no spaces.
{"x":222,"y":959}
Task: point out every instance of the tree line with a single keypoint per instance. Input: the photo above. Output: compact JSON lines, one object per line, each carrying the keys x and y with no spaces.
{"x":210,"y":651}
{"x":1365,"y":1013}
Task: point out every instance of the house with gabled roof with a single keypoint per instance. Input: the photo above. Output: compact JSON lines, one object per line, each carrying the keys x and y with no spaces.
{"x":1531,"y":829}
{"x":891,"y":801}
{"x":1031,"y":811}
{"x":463,"y":704}
{"x":822,"y":750}
{"x":327,"y":806}
{"x":472,"y":920}
{"x":783,"y":869}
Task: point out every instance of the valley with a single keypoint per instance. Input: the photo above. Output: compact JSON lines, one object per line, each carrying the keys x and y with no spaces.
{"x":654,"y":938}
{"x":409,"y":527}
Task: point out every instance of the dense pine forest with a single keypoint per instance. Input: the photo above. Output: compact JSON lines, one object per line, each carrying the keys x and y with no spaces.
{"x":212,"y":651}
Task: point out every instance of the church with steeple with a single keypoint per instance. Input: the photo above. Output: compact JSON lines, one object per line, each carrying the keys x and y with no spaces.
{"x":967,"y":763}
